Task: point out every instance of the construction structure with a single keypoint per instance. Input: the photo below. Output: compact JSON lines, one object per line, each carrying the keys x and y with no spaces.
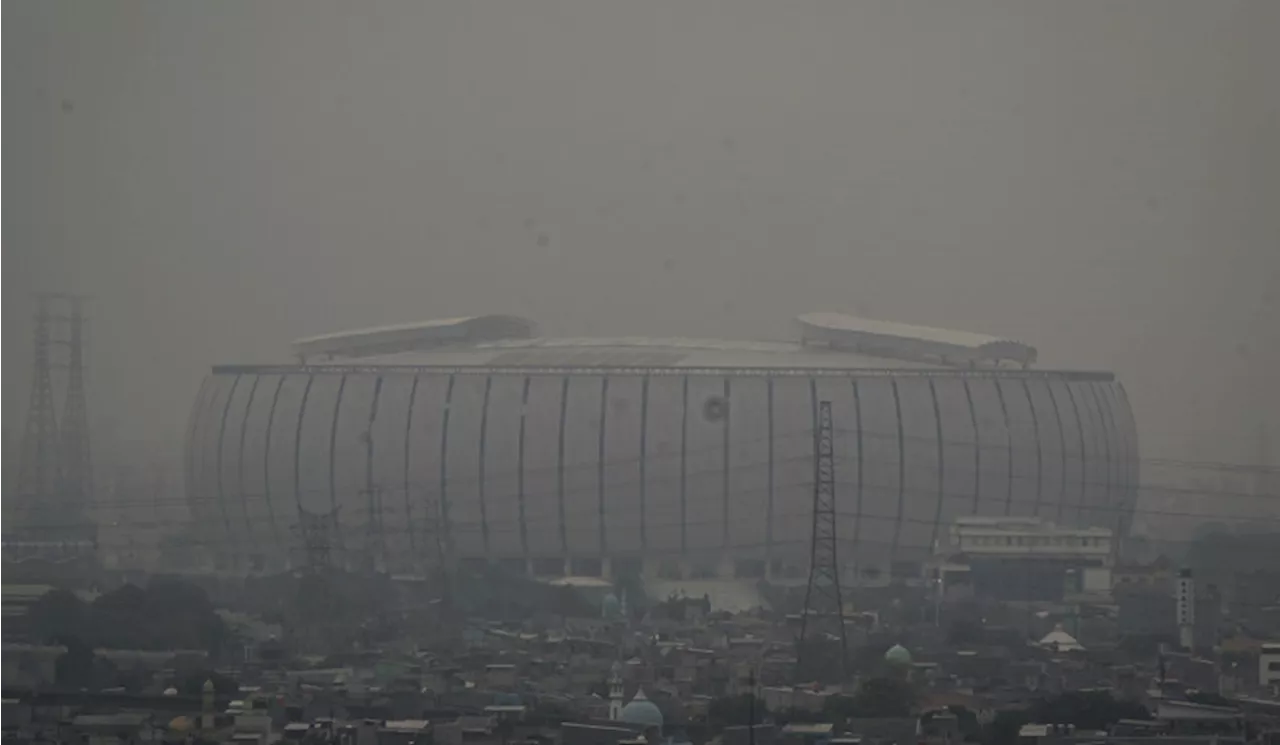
{"x":822,"y":651}
{"x":479,"y":440}
{"x":51,"y":515}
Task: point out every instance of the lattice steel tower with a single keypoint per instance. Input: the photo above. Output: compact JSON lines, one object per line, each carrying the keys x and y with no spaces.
{"x":821,"y":649}
{"x":320,"y":541}
{"x":76,"y":467}
{"x":316,"y":604}
{"x":39,"y":472}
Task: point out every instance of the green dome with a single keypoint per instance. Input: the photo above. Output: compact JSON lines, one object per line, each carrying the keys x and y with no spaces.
{"x":642,"y":711}
{"x":898,"y":655}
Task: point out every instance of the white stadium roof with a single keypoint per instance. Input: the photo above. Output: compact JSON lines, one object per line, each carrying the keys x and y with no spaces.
{"x":912,"y":342}
{"x":827,"y":341}
{"x":414,"y":336}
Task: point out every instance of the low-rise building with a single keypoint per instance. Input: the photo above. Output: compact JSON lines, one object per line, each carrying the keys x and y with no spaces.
{"x":1269,"y":665}
{"x":1025,"y":558}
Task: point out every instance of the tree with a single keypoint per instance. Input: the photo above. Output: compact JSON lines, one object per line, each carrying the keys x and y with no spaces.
{"x":735,"y":711}
{"x":1091,"y":710}
{"x":168,"y":614}
{"x":59,"y":613}
{"x":963,"y":632}
{"x":884,"y":697}
{"x":1209,"y":698}
{"x":967,"y":721}
{"x":1086,"y":710}
{"x":877,"y":698}
{"x":79,"y":667}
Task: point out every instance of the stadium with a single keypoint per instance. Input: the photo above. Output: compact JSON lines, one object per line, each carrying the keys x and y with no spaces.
{"x":476,"y":439}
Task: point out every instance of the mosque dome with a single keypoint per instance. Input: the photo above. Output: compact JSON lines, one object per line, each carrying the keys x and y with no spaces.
{"x":898,"y":655}
{"x":181,"y":724}
{"x":642,"y":711}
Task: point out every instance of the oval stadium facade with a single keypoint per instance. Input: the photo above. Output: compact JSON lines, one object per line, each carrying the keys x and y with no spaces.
{"x":478,"y":440}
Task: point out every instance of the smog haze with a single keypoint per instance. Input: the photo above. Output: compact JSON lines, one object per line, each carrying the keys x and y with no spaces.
{"x":1097,"y":179}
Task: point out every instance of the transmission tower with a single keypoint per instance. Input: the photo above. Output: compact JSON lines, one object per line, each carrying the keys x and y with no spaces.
{"x":316,"y":602}
{"x":320,"y":541}
{"x":821,"y":653}
{"x":375,"y":544}
{"x":39,"y":474}
{"x":374,"y":558}
{"x":77,"y":474}
{"x":434,"y":556}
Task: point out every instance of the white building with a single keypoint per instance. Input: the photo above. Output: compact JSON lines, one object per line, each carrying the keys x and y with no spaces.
{"x":1269,"y":665}
{"x":1029,"y":538}
{"x":1026,"y":558}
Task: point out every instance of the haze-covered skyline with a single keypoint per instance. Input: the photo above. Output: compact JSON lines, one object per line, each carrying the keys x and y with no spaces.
{"x":1096,"y":179}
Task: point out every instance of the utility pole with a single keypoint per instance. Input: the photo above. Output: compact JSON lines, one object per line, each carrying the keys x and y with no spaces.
{"x":822,"y":634}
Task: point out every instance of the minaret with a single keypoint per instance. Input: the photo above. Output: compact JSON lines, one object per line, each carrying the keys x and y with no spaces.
{"x":615,"y":692}
{"x":1186,"y":610}
{"x":207,"y":713}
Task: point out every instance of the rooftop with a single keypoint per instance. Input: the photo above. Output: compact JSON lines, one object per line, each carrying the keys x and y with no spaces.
{"x":826,"y":343}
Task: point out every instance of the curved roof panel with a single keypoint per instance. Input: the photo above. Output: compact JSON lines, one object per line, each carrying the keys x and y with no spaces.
{"x":636,"y":355}
{"x":905,"y":341}
{"x":414,"y":336}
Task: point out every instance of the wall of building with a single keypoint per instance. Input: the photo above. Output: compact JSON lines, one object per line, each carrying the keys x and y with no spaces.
{"x":657,"y":464}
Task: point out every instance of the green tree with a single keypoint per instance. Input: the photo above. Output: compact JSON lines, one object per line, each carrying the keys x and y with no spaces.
{"x":735,"y":711}
{"x":963,"y":632}
{"x":884,"y":697}
{"x":168,"y":614}
{"x":1209,"y":698}
{"x":1086,"y":710}
{"x":59,"y":613}
{"x":877,"y":698}
{"x":79,"y":667}
{"x":1091,"y":710}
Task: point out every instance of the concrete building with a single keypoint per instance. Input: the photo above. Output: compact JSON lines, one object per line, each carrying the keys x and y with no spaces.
{"x":1027,"y":558}
{"x":1269,"y":665}
{"x":609,"y":455}
{"x":1031,"y":538}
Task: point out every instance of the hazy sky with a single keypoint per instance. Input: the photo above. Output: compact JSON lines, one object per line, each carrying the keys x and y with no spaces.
{"x":1100,"y":179}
